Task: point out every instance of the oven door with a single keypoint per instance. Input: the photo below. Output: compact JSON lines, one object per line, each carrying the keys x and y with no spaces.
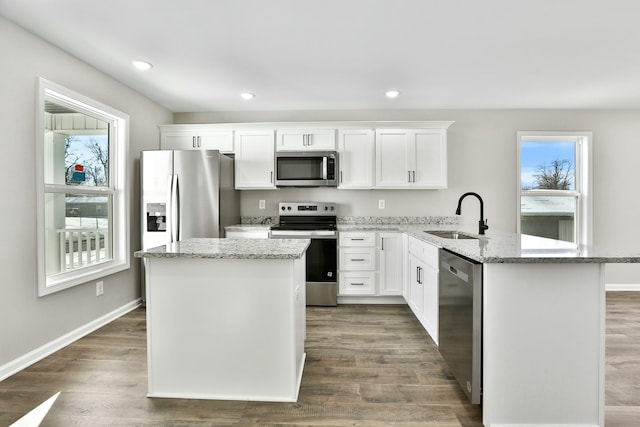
{"x":321,"y":264}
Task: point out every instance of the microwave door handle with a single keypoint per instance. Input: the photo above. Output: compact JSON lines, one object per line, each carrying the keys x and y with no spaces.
{"x":324,"y":167}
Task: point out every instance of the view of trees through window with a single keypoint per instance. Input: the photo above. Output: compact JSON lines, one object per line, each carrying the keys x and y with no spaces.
{"x":548,"y":202}
{"x":91,"y":153}
{"x":76,"y":173}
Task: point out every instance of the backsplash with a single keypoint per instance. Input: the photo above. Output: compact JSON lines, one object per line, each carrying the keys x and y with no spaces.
{"x":259,"y":220}
{"x":436,"y":220}
{"x":357,"y":220}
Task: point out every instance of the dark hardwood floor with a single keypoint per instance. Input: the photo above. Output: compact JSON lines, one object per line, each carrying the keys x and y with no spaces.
{"x":366,"y":366}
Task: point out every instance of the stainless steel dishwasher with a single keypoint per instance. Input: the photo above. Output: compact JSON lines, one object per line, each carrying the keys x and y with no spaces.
{"x":460,"y":321}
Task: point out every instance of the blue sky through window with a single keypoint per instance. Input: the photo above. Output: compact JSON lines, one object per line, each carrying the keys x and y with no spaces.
{"x":539,"y":153}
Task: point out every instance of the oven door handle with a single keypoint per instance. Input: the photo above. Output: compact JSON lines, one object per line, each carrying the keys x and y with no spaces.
{"x":285,"y":234}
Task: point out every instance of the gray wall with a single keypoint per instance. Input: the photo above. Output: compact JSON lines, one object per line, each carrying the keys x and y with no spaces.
{"x":29,"y":322}
{"x":482,"y":158}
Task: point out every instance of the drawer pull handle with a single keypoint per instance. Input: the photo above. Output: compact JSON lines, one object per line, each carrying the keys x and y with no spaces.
{"x":357,"y":284}
{"x":357,"y":259}
{"x":354,"y":239}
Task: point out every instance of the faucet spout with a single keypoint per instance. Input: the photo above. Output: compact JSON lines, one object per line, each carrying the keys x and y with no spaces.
{"x":482,"y":224}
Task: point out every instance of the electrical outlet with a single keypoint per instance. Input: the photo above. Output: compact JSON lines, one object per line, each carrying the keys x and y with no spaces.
{"x":262,"y":204}
{"x":381,"y":204}
{"x":99,"y":288}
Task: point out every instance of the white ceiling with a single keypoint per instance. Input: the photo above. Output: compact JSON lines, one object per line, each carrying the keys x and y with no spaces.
{"x":344,"y":54}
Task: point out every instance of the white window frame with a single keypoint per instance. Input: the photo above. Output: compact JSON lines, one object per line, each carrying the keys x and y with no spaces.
{"x":583,"y":182}
{"x":118,"y":188}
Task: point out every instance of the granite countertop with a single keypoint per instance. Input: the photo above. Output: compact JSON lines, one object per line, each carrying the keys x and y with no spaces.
{"x":503,"y":247}
{"x":494,"y":247}
{"x":229,"y":249}
{"x":248,"y":227}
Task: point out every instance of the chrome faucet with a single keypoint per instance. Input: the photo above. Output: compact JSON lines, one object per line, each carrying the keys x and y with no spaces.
{"x":482,"y":224}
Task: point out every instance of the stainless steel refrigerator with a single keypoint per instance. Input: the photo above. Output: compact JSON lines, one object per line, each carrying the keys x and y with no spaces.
{"x":186,"y":193}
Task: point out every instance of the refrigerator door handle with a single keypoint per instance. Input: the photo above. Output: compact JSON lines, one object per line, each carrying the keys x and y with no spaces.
{"x":174,"y":204}
{"x":176,"y":207}
{"x":169,"y":208}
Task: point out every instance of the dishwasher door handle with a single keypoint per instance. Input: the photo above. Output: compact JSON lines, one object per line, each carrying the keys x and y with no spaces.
{"x":459,"y":274}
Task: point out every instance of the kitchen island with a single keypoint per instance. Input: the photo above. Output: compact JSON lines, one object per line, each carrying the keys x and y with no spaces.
{"x":226,"y":319}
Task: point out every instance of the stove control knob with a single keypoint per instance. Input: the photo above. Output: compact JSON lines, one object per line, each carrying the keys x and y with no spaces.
{"x":332,"y":207}
{"x":282,"y":208}
{"x":288,"y":208}
{"x":326,"y":208}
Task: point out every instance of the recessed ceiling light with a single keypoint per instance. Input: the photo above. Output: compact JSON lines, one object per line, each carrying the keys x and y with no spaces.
{"x":392,"y":93}
{"x":142,"y":65}
{"x":247,"y":95}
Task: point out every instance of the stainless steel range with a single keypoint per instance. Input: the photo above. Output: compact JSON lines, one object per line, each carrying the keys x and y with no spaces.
{"x":315,"y":221}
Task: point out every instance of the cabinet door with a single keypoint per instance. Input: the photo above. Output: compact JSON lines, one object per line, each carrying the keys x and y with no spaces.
{"x":196,"y":139}
{"x":430,"y":305}
{"x":290,"y":140}
{"x":355,"y":149}
{"x":321,"y":139}
{"x":416,"y":290}
{"x":392,"y":159}
{"x":222,"y":141}
{"x":295,"y":140}
{"x":254,"y":160}
{"x":430,"y":147}
{"x":178,"y":141}
{"x":390,"y":267}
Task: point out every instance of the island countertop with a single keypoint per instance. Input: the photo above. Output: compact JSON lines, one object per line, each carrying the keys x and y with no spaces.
{"x":213,"y":248}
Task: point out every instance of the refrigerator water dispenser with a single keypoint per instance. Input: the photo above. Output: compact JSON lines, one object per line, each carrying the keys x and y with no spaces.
{"x":156,"y":217}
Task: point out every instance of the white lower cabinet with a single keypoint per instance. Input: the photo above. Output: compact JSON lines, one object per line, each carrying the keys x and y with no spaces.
{"x":390,"y":263}
{"x":370,"y":263}
{"x":356,"y":263}
{"x":416,"y":289}
{"x":422,"y":284}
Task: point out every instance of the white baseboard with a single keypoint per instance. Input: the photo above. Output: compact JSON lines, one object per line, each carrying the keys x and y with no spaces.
{"x":40,"y":353}
{"x":622,"y":287}
{"x":357,"y":299}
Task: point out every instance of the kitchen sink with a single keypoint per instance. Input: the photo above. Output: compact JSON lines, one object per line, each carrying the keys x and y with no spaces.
{"x":450,"y":235}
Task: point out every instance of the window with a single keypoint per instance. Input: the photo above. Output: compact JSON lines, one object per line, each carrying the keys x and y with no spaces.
{"x":554,"y":185}
{"x":83,"y":213}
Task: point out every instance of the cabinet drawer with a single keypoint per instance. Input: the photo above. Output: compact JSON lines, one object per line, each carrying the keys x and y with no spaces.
{"x":357,"y":259}
{"x":426,"y":252}
{"x":357,"y":283}
{"x":355,"y":238}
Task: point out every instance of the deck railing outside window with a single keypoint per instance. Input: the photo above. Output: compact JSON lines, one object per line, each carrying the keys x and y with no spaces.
{"x":80,"y":247}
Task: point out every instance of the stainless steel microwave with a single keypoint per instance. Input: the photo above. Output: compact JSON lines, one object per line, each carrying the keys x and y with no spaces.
{"x":306,"y":169}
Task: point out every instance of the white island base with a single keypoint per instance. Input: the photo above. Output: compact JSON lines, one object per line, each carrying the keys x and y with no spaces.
{"x":229,"y":329}
{"x":543,"y":344}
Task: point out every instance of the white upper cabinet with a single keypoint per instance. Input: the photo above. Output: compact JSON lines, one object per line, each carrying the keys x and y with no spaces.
{"x":254,"y":160}
{"x":411,"y":158}
{"x":356,"y":152}
{"x":305,"y":139}
{"x":195,"y":137}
